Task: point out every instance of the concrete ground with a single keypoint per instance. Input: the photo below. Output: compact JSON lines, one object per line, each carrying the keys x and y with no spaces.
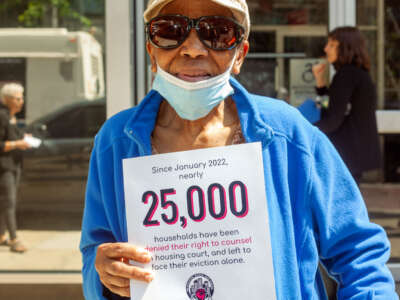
{"x":52,"y":241}
{"x":48,"y":250}
{"x":383,"y":202}
{"x":51,"y":268}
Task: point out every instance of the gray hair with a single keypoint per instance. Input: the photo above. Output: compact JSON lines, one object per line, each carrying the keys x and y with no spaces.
{"x":10,"y":89}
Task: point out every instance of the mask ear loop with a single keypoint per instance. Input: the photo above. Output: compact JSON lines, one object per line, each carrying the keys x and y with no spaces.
{"x":232,"y":62}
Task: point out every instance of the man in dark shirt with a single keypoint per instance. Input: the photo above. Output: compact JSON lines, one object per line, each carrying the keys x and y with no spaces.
{"x":11,"y":144}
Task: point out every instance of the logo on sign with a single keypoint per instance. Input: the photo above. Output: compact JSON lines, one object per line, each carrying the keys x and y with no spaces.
{"x":200,"y":287}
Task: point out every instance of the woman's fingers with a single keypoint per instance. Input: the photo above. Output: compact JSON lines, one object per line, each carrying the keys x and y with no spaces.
{"x":22,"y":144}
{"x":116,"y":284}
{"x":114,"y":270}
{"x":319,"y":69}
{"x":124,"y":270}
{"x":126,"y":251}
{"x":112,"y":258}
{"x":116,"y":281}
{"x":319,"y":74}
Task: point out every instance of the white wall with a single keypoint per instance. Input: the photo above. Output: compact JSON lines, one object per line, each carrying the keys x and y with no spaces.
{"x":119,"y":77}
{"x":342,"y":13}
{"x":46,"y":88}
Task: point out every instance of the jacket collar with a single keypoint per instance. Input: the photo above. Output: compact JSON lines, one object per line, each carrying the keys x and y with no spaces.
{"x":142,"y":122}
{"x":254,"y":127}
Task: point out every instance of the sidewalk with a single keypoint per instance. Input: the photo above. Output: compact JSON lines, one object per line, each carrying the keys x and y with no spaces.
{"x":47,"y":251}
{"x":51,"y":268}
{"x":52,"y":240}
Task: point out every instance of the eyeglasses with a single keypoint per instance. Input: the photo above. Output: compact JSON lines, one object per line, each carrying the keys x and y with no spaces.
{"x":215,"y":32}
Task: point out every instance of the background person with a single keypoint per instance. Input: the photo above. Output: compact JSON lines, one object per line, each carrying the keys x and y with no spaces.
{"x":315,"y":209}
{"x":11,"y":144}
{"x":349,"y":121}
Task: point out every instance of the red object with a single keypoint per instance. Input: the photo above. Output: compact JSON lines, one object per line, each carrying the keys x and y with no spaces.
{"x":298,"y":17}
{"x":201,"y":294}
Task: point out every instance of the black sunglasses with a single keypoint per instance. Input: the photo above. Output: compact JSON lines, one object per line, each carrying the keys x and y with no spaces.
{"x":215,"y":32}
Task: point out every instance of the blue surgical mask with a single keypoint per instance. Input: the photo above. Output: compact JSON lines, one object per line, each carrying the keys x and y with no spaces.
{"x":193,"y":100}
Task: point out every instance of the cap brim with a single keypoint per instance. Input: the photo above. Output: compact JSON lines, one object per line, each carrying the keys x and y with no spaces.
{"x":239,"y":13}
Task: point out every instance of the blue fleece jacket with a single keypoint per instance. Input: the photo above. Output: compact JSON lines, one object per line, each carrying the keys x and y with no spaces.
{"x":316,"y":211}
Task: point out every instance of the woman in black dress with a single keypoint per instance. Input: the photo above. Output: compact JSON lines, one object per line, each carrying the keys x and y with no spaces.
{"x":11,"y":144}
{"x":349,"y":121}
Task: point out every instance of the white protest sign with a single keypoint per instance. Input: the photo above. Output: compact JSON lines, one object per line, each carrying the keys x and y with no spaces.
{"x":203,"y":216}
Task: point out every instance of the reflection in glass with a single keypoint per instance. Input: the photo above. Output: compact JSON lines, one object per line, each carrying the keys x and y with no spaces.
{"x":289,"y":12}
{"x":57,"y":53}
{"x":371,"y":38}
{"x":284,"y":33}
{"x":366,"y":12}
{"x":392,"y":55}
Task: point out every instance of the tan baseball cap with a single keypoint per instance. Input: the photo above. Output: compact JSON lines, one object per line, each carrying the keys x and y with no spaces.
{"x":238,"y":7}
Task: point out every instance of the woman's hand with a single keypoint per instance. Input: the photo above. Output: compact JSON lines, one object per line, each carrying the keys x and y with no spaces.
{"x":22,"y":144}
{"x":112,"y":265}
{"x":319,"y":74}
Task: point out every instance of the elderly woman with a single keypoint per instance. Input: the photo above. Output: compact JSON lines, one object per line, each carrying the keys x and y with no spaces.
{"x":11,"y":143}
{"x":315,"y":209}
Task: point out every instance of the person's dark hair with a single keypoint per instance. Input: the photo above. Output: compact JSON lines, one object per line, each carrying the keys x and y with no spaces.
{"x":352,"y":47}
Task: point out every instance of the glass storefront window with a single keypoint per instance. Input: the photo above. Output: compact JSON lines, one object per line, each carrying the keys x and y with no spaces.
{"x":370,"y":15}
{"x":367,"y":22}
{"x":366,"y":13}
{"x":57,"y":52}
{"x":392,"y":55}
{"x":288,"y":12}
{"x":286,"y":39}
{"x":372,"y":46}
